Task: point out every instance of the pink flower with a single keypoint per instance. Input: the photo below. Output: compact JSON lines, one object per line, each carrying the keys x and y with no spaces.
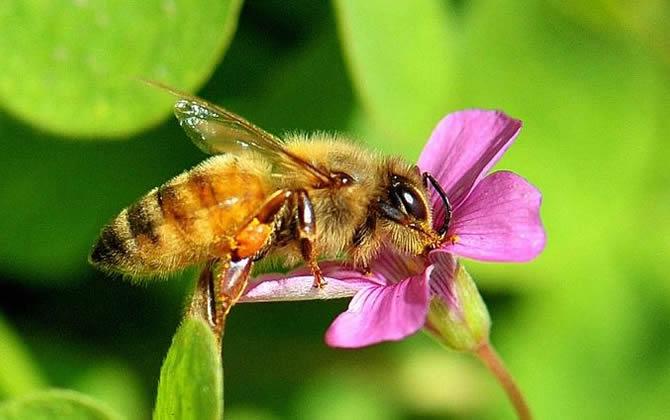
{"x":495,"y":218}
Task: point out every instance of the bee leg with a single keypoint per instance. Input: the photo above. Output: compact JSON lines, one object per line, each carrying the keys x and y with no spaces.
{"x":203,"y":302}
{"x":249,"y":241}
{"x":220,"y":286}
{"x":252,"y":239}
{"x":237,"y":258}
{"x":307,"y":235}
{"x":231,"y":281}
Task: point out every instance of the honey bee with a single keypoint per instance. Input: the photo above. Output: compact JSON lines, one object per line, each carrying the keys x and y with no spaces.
{"x":297,"y":198}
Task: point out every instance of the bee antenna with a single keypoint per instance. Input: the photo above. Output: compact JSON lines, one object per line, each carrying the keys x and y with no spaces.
{"x":443,"y":196}
{"x":163,"y":87}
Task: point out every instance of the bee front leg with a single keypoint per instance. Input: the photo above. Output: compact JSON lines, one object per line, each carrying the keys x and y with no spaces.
{"x":306,"y":234}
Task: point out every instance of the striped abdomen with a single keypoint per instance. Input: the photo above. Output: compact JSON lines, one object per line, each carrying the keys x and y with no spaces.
{"x":188,"y":220}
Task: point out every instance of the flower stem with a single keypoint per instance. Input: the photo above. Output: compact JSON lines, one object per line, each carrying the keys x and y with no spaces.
{"x":494,"y":363}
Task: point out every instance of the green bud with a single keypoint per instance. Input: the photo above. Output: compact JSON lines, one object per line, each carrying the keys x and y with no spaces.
{"x":459,"y":321}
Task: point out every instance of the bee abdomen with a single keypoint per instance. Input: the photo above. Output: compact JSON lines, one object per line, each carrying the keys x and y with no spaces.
{"x":125,"y":244}
{"x":186,"y":221}
{"x":110,"y":250}
{"x":142,"y":221}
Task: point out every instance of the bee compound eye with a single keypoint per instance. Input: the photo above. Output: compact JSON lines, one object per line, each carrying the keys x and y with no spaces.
{"x":411,"y":202}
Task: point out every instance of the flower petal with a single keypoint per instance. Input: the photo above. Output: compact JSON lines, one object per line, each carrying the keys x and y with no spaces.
{"x":394,"y":267}
{"x":442,"y":278}
{"x":299,"y":284}
{"x":382,"y":313}
{"x":500,"y":221}
{"x":462,"y":149}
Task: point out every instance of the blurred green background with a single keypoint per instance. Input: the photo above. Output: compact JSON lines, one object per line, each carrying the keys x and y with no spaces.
{"x":585,"y":328}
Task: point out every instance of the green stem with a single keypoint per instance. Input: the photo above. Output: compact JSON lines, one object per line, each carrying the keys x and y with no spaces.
{"x":494,"y":363}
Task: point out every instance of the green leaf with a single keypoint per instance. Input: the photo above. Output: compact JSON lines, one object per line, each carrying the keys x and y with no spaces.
{"x":56,"y":404}
{"x":71,"y":67}
{"x":191,"y":381}
{"x":401,"y":58}
{"x":18,"y":373}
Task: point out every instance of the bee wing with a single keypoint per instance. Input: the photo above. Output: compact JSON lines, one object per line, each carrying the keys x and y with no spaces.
{"x":216,"y":130}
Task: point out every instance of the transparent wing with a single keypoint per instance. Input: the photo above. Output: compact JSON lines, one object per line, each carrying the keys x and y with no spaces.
{"x":216,"y":130}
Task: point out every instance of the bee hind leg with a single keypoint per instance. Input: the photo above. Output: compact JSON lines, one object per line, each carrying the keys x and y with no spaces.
{"x":254,"y":237}
{"x":231,"y":281}
{"x":220,"y":286}
{"x":225,"y":278}
{"x":248,"y":244}
{"x":306,"y":234}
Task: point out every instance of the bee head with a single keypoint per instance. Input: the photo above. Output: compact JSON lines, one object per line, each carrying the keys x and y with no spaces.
{"x":405,"y":210}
